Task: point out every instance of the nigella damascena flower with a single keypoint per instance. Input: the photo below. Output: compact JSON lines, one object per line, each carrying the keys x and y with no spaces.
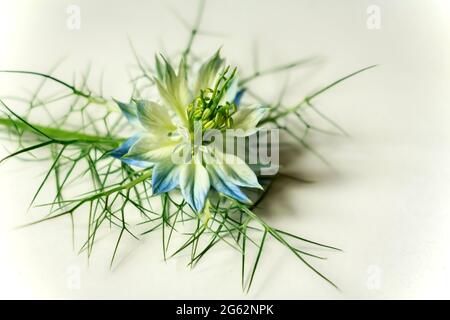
{"x":167,"y":130}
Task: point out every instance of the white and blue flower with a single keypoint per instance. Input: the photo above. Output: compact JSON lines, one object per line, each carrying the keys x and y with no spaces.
{"x":167,"y":127}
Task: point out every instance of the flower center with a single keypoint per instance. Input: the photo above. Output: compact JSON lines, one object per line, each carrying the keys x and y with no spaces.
{"x":209,"y":107}
{"x":211,"y":116}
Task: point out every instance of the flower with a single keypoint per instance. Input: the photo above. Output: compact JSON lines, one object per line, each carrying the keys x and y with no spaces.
{"x":168,"y":130}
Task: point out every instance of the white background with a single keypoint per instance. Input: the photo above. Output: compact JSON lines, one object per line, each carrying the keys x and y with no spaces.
{"x":386,"y":203}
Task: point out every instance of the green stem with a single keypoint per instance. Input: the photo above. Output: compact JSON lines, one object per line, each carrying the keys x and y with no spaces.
{"x":75,"y":91}
{"x":127,"y":186}
{"x":194,"y":32}
{"x":306,"y":101}
{"x":276,"y":69}
{"x":107,"y":193}
{"x":61,"y":134}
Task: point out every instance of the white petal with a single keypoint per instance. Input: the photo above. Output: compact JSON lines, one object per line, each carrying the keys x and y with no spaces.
{"x":154,"y":117}
{"x":208,"y":73}
{"x":231,"y":92}
{"x":224,"y":185}
{"x":129,"y":110}
{"x":194,"y":184}
{"x":173,"y":89}
{"x":247,"y":118}
{"x":233,"y":169}
{"x":165,"y":177}
{"x":184,"y":95}
{"x":153,"y":148}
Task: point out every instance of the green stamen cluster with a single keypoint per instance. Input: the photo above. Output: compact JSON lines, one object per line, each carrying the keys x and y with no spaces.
{"x":211,"y":117}
{"x":207,"y":107}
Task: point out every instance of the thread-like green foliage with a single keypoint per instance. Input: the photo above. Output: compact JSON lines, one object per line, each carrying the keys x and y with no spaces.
{"x":80,"y":152}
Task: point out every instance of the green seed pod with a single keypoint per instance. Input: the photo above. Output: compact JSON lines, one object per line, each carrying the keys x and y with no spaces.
{"x":198,"y":113}
{"x":233,"y":108}
{"x":206,"y":113}
{"x":209,"y":125}
{"x":218,"y":118}
{"x":223,"y":109}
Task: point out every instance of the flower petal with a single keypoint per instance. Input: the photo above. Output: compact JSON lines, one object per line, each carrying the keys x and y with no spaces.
{"x":165,"y":177}
{"x":208,"y":73}
{"x":129,"y":110}
{"x":194,"y":184}
{"x":153,"y":148}
{"x":237,"y":98}
{"x":247,"y":118}
{"x":231,"y":91}
{"x":124,"y":147}
{"x":233,"y":169}
{"x":225,"y":186}
{"x":136,"y":162}
{"x":154,"y":117}
{"x":119,"y":152}
{"x":173,"y":88}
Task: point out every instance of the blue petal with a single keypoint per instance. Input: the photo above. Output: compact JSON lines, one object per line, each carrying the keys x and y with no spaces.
{"x":220,"y":183}
{"x":194,"y":185}
{"x":123,"y":149}
{"x":129,"y":110}
{"x":136,"y":163}
{"x":233,"y":169}
{"x":165,"y":177}
{"x":238,"y":97}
